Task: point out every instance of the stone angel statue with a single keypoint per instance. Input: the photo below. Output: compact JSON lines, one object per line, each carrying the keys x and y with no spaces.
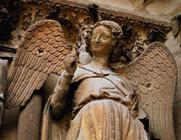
{"x":92,"y":101}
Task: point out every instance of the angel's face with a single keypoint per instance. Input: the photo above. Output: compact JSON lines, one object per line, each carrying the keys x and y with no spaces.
{"x":101,"y":41}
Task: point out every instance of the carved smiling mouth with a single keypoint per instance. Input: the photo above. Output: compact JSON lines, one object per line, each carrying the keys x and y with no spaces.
{"x":97,"y":45}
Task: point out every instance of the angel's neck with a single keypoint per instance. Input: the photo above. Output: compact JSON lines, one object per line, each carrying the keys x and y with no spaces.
{"x":101,"y":62}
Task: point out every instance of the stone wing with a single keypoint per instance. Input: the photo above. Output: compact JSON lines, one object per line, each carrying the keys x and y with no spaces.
{"x":153,"y":76}
{"x":40,"y":53}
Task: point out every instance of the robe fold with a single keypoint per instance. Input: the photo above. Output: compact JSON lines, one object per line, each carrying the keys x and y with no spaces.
{"x":103,"y":110}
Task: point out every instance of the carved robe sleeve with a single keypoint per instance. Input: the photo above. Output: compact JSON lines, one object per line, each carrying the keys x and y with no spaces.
{"x":60,"y":94}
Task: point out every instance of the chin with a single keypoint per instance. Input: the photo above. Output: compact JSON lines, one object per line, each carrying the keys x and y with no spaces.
{"x":97,"y":51}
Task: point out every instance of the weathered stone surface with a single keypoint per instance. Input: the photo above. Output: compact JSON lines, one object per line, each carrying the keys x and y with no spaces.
{"x":9,"y":127}
{"x":29,"y":120}
{"x":8,"y":18}
{"x":177,"y":120}
{"x":162,"y":7}
{"x":135,"y":13}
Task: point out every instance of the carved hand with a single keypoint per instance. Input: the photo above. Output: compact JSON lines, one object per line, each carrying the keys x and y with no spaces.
{"x":70,"y":64}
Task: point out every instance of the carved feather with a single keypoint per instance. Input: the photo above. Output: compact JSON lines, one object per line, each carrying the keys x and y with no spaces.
{"x":155,"y":86}
{"x":40,"y":53}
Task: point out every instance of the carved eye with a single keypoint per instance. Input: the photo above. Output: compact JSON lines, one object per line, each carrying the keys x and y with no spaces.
{"x":94,"y":37}
{"x":105,"y":37}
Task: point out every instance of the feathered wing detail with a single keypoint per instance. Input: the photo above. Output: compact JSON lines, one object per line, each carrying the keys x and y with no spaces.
{"x":40,"y":53}
{"x":153,"y":76}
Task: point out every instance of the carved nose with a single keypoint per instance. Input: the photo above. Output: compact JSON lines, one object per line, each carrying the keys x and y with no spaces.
{"x":98,"y":39}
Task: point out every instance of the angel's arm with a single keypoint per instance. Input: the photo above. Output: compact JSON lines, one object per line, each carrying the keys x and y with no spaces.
{"x":59,"y":97}
{"x":60,"y":94}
